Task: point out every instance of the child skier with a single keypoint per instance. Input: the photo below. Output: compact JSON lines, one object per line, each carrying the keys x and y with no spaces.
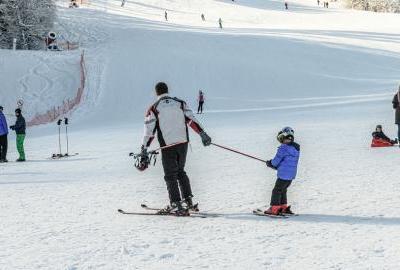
{"x":285,"y":162}
{"x":378,"y":134}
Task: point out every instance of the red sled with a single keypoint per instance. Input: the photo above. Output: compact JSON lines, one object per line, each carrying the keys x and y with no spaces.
{"x":381,"y":143}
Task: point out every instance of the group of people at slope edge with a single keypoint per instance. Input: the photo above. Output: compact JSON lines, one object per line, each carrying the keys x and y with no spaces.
{"x":20,"y":129}
{"x":379,"y":137}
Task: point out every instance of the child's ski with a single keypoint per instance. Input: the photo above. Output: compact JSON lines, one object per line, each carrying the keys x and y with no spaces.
{"x":259,"y":212}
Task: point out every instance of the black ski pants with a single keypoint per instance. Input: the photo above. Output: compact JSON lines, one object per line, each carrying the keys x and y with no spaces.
{"x":200,"y":108}
{"x":178,"y":183}
{"x":3,"y":147}
{"x":279,"y":193}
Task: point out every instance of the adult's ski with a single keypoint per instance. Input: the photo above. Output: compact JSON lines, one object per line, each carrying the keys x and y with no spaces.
{"x":158,"y":214}
{"x":192,"y":212}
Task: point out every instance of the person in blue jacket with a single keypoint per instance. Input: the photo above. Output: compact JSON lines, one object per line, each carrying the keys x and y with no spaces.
{"x":285,"y":162}
{"x":3,"y":136}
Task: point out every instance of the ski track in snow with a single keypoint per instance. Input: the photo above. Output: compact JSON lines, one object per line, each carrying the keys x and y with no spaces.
{"x":326,"y":73}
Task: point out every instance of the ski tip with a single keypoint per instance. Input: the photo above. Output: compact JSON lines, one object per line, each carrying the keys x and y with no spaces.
{"x":121,"y":211}
{"x":143,"y":205}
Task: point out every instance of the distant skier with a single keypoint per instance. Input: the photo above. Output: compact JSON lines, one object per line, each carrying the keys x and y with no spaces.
{"x":170,"y":118}
{"x":318,"y":2}
{"x":327,"y":4}
{"x":3,"y":137}
{"x":123,"y":3}
{"x":286,"y":5}
{"x":396,"y":106}
{"x":203,"y":18}
{"x":285,"y":162}
{"x":201,"y":100}
{"x":220,"y":23}
{"x":20,"y":130}
{"x":166,"y":16}
{"x":378,"y":134}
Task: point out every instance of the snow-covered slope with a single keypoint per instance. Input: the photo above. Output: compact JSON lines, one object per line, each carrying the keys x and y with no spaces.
{"x":329,"y":73}
{"x":41,"y":79}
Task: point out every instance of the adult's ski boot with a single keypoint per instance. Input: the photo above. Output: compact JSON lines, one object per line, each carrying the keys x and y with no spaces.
{"x":175,"y":208}
{"x":188,"y":204}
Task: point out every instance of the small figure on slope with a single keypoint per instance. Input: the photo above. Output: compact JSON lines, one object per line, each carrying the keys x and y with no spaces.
{"x":166,"y":15}
{"x":380,"y":138}
{"x":201,"y":100}
{"x":203,"y":18}
{"x":3,"y":136}
{"x":220,"y":23}
{"x":20,"y":130}
{"x":285,"y":162}
{"x":170,"y":117}
{"x":286,"y":5}
{"x":123,"y":3}
{"x":396,"y":106}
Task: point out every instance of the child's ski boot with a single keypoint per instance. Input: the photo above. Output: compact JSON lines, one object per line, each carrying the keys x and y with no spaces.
{"x":274,"y":210}
{"x":286,"y":210}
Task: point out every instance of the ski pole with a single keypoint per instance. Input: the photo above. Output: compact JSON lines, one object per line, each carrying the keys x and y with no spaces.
{"x":167,"y":146}
{"x":59,"y":135}
{"x":238,"y":152}
{"x":160,"y":148}
{"x":66,"y":133}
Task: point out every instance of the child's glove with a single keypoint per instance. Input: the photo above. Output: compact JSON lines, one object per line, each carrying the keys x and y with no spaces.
{"x":12,"y":127}
{"x":269,"y":164}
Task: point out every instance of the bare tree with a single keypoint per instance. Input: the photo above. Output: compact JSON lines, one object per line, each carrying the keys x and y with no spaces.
{"x":27,"y":21}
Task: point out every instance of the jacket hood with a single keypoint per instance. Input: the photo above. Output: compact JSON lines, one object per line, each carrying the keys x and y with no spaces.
{"x":294,"y":145}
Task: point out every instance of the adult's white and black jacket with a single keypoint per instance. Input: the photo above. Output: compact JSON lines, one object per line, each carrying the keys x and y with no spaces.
{"x":170,"y":118}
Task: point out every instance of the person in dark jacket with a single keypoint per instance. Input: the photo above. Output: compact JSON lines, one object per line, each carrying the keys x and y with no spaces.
{"x":379,"y":134}
{"x":3,"y":136}
{"x":170,"y":119}
{"x":201,"y":100}
{"x":285,"y":162}
{"x":20,"y":130}
{"x":396,"y":106}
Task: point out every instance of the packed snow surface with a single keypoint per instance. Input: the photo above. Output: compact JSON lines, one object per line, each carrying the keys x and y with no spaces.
{"x":328,"y":73}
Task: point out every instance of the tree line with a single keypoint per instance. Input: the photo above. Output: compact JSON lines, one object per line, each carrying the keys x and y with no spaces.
{"x":375,"y":5}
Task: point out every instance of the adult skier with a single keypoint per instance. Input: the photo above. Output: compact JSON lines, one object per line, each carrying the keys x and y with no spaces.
{"x":220,"y":23}
{"x":3,"y":136}
{"x":20,"y":130}
{"x":396,"y":106}
{"x":170,"y":117}
{"x":123,"y":3}
{"x":203,"y":18}
{"x":166,"y":15}
{"x":285,"y":162}
{"x":201,"y":100}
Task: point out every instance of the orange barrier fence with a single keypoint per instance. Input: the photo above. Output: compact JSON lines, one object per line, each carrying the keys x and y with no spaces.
{"x":67,"y":106}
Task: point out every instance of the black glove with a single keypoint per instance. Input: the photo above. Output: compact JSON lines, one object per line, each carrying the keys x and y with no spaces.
{"x":144,"y":156}
{"x":12,"y":127}
{"x":205,"y":138}
{"x":269,"y":164}
{"x":142,"y":160}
